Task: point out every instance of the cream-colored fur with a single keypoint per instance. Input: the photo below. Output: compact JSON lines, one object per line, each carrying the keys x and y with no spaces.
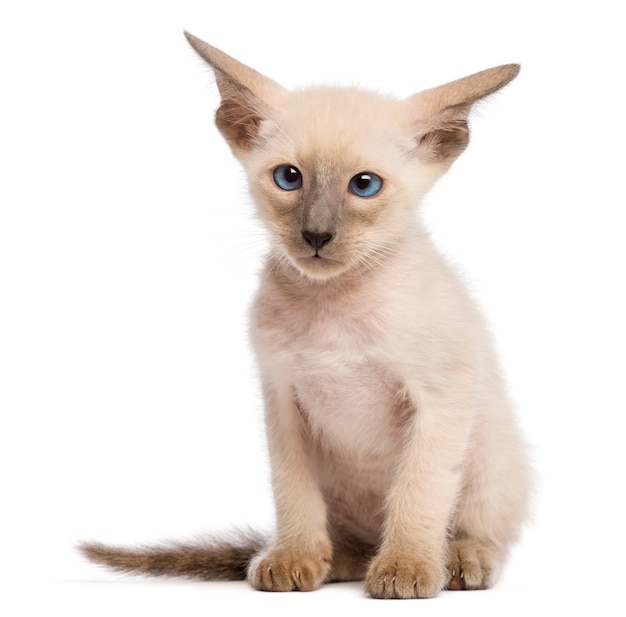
{"x":395,"y":455}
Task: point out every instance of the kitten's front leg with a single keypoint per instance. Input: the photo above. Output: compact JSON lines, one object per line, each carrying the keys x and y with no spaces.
{"x":300,"y":557}
{"x":411,"y":562}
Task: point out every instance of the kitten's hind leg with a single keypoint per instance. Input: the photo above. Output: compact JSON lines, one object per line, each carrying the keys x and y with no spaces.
{"x":492,"y":510}
{"x":492,"y":507}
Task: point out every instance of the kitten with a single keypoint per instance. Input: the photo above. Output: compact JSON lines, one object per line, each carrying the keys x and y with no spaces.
{"x":395,"y":455}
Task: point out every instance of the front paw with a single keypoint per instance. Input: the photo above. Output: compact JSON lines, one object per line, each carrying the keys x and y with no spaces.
{"x":285,"y":569}
{"x":402,"y":576}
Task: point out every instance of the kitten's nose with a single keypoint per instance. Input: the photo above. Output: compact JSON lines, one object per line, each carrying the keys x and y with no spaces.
{"x":316,"y":240}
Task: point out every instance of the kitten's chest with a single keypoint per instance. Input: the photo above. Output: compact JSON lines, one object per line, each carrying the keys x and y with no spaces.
{"x":332,"y":354}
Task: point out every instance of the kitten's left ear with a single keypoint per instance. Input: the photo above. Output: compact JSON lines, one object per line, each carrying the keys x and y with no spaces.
{"x":440,"y":114}
{"x":248,"y":98}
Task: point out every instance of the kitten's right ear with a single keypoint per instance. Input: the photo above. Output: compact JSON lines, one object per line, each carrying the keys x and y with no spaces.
{"x":248,"y":98}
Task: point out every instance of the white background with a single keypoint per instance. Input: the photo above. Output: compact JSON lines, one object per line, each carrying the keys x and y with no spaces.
{"x":128,"y":398}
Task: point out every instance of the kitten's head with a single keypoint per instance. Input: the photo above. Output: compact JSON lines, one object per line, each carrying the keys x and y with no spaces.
{"x":335,"y":173}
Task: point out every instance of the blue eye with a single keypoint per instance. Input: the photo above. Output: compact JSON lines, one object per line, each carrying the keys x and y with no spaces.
{"x":365,"y":184}
{"x":288,"y":177}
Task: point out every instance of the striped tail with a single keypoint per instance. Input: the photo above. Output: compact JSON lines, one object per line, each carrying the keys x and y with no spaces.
{"x":211,"y":560}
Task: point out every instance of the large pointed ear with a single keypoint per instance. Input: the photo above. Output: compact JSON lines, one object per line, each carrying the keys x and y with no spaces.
{"x":440,"y":114}
{"x":248,"y":98}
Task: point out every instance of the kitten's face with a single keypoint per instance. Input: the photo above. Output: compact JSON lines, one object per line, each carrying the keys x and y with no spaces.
{"x":336,"y":179}
{"x":336,"y":173}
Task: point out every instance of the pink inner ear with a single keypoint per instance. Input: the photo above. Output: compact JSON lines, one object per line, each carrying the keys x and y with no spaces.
{"x":238,"y":124}
{"x":445,"y":142}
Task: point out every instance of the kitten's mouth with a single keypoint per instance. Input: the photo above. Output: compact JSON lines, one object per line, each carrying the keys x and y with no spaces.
{"x":318,"y":266}
{"x":317,"y":259}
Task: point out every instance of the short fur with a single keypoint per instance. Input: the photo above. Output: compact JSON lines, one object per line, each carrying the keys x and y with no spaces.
{"x":395,"y":455}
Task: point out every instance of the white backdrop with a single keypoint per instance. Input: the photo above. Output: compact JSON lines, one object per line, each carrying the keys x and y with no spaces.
{"x":128,"y":399}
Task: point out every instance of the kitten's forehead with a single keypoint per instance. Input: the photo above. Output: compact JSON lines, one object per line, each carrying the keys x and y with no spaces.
{"x":331,"y":125}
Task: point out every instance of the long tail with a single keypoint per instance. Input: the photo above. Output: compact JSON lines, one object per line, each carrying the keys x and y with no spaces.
{"x":211,"y":560}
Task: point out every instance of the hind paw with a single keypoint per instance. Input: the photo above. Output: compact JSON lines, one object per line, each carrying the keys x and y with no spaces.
{"x":471,"y":565}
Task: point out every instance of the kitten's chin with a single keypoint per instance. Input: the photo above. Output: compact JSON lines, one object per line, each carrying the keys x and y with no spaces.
{"x":318,"y":268}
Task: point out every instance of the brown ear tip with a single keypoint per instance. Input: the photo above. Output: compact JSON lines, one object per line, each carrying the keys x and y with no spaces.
{"x":506,"y":73}
{"x":515,"y":69}
{"x":191,"y":39}
{"x":195,"y":42}
{"x":512,"y":70}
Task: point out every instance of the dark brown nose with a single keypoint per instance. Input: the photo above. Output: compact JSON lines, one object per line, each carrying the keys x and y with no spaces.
{"x":316,"y":240}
